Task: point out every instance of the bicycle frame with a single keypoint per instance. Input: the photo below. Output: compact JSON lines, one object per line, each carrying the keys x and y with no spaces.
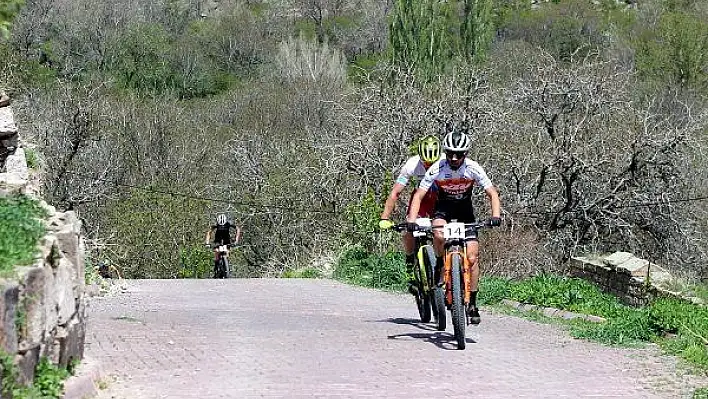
{"x":457,"y":246}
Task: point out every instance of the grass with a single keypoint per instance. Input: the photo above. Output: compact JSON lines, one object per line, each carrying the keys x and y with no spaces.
{"x":20,"y":231}
{"x":308,"y":272}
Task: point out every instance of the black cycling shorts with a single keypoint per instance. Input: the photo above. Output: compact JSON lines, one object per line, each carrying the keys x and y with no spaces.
{"x":461,"y":211}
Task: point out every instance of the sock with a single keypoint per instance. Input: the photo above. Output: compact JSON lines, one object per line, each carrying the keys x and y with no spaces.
{"x":473,"y":298}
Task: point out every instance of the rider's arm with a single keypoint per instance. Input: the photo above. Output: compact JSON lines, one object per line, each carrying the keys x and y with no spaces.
{"x":238,"y":234}
{"x":415,"y":204}
{"x":391,"y":200}
{"x":401,"y":181}
{"x":423,"y":187}
{"x":207,"y":239}
{"x":493,"y":196}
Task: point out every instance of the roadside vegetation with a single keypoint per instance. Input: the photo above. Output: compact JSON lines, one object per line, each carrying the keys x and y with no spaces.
{"x":21,"y":228}
{"x":293,"y":117}
{"x":677,"y":326}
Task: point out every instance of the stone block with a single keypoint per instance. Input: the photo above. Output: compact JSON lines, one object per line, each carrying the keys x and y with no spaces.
{"x":9,"y":296}
{"x":33,"y":301}
{"x":16,"y":163}
{"x":72,"y":343}
{"x":635,"y":266}
{"x":50,"y":306}
{"x":7,"y":122}
{"x":68,"y":244}
{"x":658,"y":277}
{"x":617,"y":258}
{"x":26,"y":363}
{"x":12,"y":183}
{"x":4,"y":99}
{"x":64,"y":277}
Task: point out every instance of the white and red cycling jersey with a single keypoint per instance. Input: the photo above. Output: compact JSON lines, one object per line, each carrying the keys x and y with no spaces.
{"x":414,"y":168}
{"x":455,"y":184}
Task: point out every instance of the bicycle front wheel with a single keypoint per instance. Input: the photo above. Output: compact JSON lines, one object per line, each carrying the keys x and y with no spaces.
{"x":459,"y":319}
{"x":422,"y":299}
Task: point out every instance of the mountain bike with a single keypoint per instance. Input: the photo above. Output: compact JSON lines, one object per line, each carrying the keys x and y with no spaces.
{"x":222,"y":268}
{"x":429,"y":298}
{"x":457,"y":277}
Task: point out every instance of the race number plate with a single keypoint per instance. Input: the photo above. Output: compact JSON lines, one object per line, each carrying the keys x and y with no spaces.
{"x":223,"y":248}
{"x":454,"y":231}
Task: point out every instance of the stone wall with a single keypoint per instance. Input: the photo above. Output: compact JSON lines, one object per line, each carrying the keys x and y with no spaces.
{"x":633,"y":280}
{"x":42,"y":308}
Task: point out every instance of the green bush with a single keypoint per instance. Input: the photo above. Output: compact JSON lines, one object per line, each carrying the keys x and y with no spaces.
{"x":196,"y":262}
{"x":674,"y":51}
{"x":568,"y":30}
{"x":20,"y":231}
{"x":358,"y":266}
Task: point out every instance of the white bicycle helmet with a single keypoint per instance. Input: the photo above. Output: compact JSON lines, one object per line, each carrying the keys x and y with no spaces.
{"x":221,"y":219}
{"x":456,"y":141}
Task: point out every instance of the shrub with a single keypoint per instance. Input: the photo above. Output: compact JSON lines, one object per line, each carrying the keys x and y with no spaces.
{"x":358,"y":266}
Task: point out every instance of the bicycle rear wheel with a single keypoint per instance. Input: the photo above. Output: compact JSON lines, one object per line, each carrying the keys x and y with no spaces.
{"x":459,"y":319}
{"x":221,"y":269}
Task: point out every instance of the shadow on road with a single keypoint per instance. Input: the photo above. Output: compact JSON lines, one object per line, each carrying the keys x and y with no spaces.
{"x":410,"y":322}
{"x":440,"y":339}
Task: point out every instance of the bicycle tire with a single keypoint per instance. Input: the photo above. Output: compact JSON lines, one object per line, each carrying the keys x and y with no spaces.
{"x":459,"y":318}
{"x":439,"y":304}
{"x":221,"y":270}
{"x":421,"y":298}
{"x":436,"y":294}
{"x":227,"y":268}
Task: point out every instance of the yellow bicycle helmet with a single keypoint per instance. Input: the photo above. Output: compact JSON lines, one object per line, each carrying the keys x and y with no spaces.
{"x":429,"y":149}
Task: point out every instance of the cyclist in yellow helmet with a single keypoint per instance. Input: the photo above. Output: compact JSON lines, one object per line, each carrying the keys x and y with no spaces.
{"x":429,"y":152}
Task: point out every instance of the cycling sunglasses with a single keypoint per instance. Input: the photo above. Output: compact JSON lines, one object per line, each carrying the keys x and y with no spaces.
{"x":458,"y":154}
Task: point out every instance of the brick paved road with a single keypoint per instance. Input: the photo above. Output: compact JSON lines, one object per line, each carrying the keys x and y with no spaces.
{"x":289,"y":338}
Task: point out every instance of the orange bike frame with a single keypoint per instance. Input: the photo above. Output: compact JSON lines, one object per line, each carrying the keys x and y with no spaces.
{"x":466,"y":273}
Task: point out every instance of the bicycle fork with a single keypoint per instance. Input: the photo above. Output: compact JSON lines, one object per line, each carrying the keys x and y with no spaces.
{"x":422,"y":269}
{"x":466,"y":274}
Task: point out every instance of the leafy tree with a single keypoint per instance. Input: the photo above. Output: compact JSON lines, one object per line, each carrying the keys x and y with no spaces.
{"x":675,"y":51}
{"x":8,"y":10}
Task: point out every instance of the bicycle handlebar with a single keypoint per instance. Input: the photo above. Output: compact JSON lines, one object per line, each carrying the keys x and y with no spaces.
{"x":405,"y":226}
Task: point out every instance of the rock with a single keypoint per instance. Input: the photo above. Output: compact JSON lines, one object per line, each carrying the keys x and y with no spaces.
{"x":9,"y":295}
{"x":617,"y":258}
{"x":4,"y":99}
{"x":27,"y":363}
{"x":33,"y":303}
{"x":12,"y":183}
{"x":64,"y":277}
{"x":17,"y":164}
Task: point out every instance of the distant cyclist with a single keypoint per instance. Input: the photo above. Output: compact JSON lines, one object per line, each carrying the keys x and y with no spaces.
{"x":416,"y":166}
{"x":222,"y":235}
{"x":455,"y":176}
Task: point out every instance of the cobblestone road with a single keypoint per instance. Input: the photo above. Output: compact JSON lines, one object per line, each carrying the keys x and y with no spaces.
{"x":290,"y":338}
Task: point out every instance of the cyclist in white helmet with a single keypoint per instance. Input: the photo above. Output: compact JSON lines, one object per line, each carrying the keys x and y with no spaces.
{"x":222,"y":234}
{"x":429,"y":152}
{"x":455,"y":175}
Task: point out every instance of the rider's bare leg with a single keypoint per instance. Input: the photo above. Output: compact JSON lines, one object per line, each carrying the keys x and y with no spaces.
{"x":473,"y":259}
{"x":409,"y":249}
